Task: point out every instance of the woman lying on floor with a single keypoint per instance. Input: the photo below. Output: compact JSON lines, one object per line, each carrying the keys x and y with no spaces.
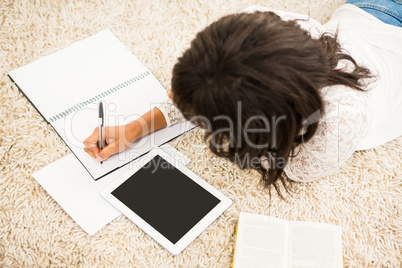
{"x":283,"y":94}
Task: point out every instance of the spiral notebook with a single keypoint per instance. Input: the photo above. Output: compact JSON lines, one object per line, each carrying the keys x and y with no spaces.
{"x":66,"y":87}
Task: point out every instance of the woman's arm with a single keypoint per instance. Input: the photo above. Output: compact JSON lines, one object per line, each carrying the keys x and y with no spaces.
{"x":119,"y":138}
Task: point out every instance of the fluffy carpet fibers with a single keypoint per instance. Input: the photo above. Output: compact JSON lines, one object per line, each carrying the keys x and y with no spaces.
{"x":363,"y":196}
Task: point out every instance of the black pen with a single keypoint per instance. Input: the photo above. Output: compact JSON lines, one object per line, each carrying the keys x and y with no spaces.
{"x":101,"y":122}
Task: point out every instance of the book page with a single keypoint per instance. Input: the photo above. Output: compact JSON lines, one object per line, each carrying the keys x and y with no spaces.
{"x":261,"y":242}
{"x":315,"y":245}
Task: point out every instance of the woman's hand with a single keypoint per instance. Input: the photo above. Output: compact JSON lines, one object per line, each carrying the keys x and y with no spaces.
{"x":118,"y":139}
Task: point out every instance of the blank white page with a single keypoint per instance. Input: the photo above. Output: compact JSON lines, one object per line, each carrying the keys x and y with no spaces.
{"x":77,"y":73}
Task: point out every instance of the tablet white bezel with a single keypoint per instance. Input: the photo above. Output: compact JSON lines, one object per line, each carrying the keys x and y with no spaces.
{"x":196,"y":230}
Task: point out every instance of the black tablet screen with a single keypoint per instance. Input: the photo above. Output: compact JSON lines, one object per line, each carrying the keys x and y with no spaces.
{"x":165,"y":198}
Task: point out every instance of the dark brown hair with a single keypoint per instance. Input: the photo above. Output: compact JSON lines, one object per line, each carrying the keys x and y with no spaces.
{"x":268,"y":68}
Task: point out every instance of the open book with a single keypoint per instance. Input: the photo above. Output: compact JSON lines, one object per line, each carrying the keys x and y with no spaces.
{"x":66,"y":87}
{"x":263,"y":241}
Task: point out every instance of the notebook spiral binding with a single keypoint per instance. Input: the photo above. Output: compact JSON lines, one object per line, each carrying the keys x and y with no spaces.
{"x":99,"y":96}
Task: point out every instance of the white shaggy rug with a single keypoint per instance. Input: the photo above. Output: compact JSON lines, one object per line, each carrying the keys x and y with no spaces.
{"x":364,"y":196}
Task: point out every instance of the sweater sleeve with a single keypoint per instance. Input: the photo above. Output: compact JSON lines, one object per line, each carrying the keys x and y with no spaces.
{"x":340,"y":131}
{"x":312,"y":26}
{"x":171,"y":113}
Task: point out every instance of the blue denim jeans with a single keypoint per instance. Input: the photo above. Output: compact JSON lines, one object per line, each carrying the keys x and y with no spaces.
{"x":388,"y":11}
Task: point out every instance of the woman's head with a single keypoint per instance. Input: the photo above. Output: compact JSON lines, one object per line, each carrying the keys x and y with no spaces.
{"x":251,"y":80}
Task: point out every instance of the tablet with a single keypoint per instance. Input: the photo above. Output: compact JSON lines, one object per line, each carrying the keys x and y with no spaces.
{"x":166,"y":200}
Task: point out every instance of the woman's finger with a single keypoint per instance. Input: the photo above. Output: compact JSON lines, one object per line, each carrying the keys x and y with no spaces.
{"x":90,"y":152}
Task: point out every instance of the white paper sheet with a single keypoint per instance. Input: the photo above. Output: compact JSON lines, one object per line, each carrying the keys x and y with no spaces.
{"x":71,"y":186}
